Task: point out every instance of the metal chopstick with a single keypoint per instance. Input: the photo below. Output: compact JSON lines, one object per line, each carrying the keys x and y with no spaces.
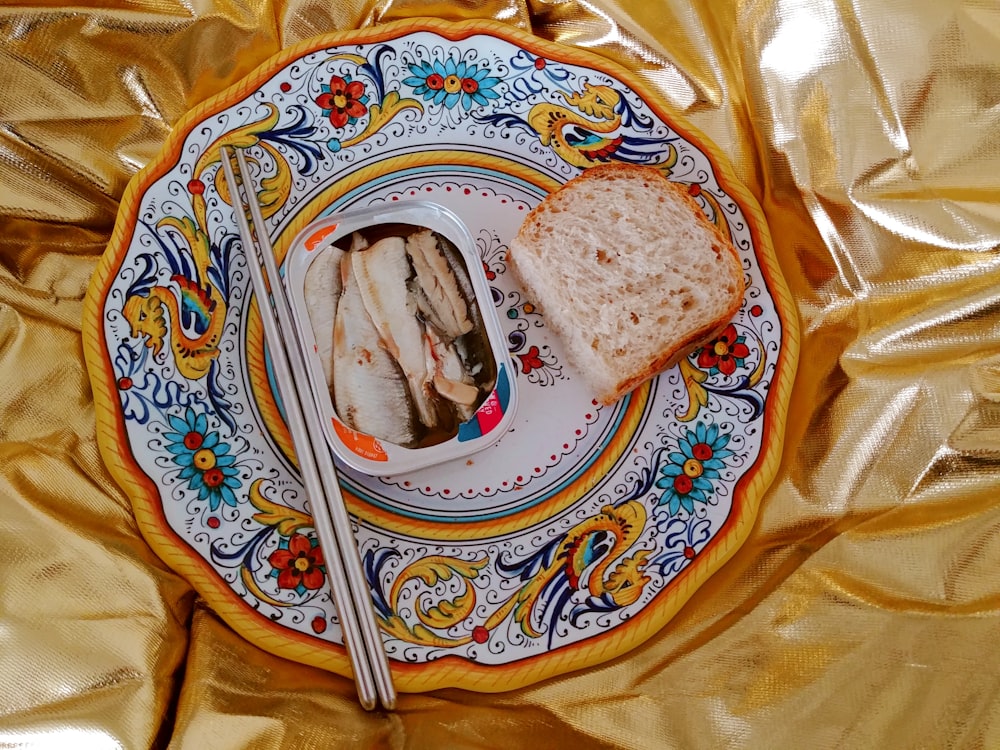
{"x":352,"y":596}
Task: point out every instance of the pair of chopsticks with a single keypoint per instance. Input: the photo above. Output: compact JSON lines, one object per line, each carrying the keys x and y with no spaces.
{"x":351,"y":594}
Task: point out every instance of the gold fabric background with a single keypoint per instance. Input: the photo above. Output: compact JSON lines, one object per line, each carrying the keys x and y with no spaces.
{"x":864,"y":611}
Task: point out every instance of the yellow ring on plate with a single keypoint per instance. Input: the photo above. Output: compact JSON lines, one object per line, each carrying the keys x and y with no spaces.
{"x":428,"y":529}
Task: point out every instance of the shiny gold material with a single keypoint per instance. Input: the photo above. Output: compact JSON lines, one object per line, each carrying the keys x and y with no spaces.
{"x":864,"y":609}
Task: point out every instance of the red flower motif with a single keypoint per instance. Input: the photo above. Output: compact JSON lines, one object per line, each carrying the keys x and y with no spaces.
{"x":213,"y":478}
{"x":530,"y":360}
{"x":342,"y":100}
{"x":300,"y":563}
{"x":683,"y":484}
{"x":702,"y":451}
{"x":435,"y":82}
{"x":723,"y":352}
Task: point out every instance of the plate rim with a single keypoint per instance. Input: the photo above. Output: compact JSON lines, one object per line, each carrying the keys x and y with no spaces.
{"x":449,"y":670}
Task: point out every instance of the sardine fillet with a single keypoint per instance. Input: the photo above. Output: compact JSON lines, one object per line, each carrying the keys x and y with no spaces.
{"x":370,"y":392}
{"x":437,"y":279}
{"x":322,"y":291}
{"x":449,"y":376}
{"x":382,"y":272}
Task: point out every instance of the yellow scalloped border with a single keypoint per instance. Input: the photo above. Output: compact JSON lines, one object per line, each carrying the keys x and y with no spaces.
{"x":450,"y":671}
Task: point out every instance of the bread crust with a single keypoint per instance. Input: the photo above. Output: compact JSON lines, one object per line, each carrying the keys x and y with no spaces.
{"x":538,"y":217}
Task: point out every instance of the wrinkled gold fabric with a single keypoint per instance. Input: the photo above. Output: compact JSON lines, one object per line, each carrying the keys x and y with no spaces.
{"x":864,"y":611}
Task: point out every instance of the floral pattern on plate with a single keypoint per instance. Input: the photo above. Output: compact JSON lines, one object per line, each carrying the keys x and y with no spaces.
{"x":584,"y":530}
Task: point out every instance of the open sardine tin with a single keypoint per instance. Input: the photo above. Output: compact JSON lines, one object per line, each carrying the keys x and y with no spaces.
{"x":403,"y":348}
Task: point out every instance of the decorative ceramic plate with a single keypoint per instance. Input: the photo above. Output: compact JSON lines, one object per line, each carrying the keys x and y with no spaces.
{"x":585,"y":529}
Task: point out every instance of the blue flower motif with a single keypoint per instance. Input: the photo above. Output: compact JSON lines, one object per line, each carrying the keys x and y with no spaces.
{"x":687,"y":475}
{"x":205,"y":462}
{"x":452,"y":82}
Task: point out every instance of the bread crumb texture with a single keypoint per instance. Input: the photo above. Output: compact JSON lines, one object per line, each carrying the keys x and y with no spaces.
{"x":628,"y":272}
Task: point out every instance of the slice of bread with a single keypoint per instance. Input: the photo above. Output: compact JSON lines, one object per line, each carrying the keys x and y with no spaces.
{"x":629,"y":273}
